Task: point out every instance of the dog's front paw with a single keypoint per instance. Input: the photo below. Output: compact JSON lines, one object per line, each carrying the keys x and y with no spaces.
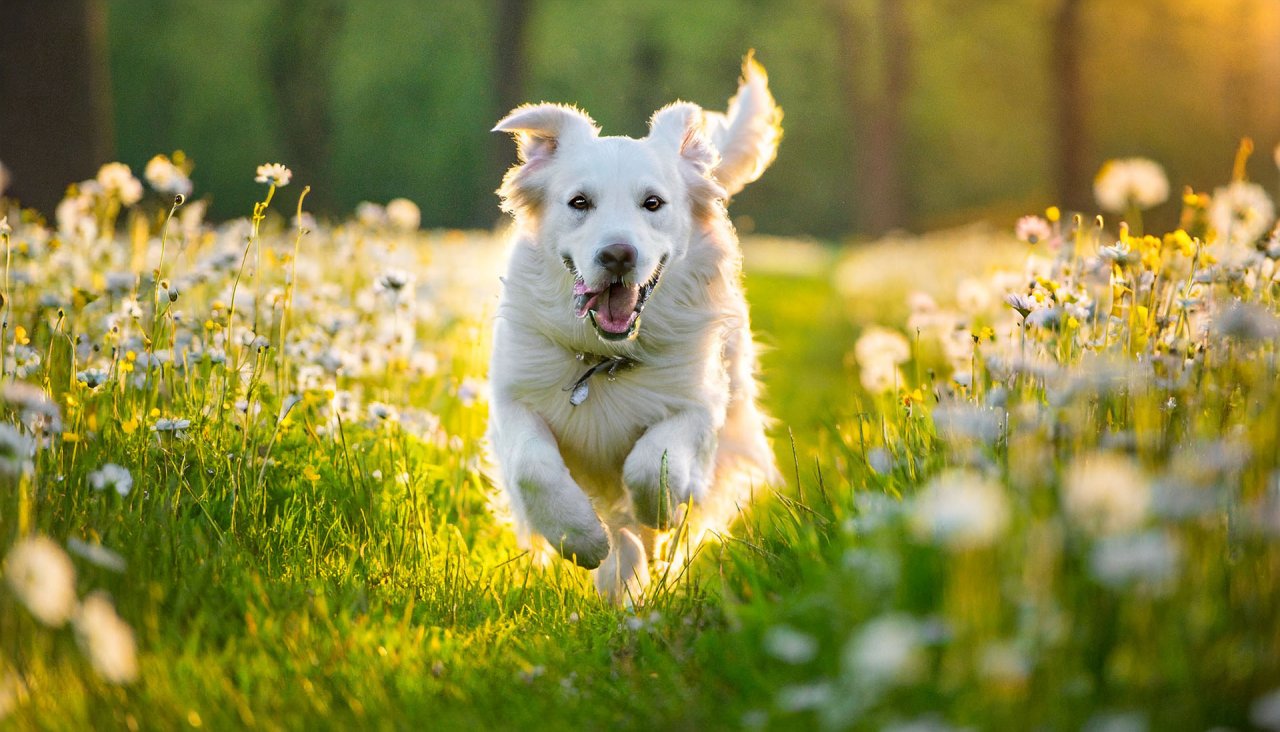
{"x":564,"y":516}
{"x":659,"y":480}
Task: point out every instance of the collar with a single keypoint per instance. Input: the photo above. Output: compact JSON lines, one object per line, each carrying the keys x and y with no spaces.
{"x":610,"y":365}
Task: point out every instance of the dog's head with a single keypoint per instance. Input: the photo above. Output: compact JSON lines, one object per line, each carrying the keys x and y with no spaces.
{"x":613,"y":211}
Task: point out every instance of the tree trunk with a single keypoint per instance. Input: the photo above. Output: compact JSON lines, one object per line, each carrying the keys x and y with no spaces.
{"x":56,"y":126}
{"x":1075,"y":168}
{"x":510,"y":74}
{"x":300,"y":67}
{"x":874,"y":121}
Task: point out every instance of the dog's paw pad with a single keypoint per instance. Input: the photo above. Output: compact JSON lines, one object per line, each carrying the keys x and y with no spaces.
{"x":587,"y":548}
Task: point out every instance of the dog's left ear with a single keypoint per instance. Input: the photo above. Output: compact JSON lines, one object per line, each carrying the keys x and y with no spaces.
{"x":679,"y":127}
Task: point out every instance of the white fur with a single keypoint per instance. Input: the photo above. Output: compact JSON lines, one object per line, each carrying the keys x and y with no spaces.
{"x":587,"y":478}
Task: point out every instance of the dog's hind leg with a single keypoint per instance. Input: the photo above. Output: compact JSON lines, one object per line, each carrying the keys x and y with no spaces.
{"x":623,"y":576}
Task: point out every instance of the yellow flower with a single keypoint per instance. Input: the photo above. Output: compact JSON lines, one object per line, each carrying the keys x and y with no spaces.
{"x":1053,"y":214}
{"x":310,"y":474}
{"x":129,"y":426}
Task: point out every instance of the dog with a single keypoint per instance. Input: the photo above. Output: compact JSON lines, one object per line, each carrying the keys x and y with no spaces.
{"x":623,"y":372}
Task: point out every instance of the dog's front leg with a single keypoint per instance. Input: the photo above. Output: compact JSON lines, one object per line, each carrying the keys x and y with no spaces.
{"x":550,"y":500}
{"x":687,"y":442}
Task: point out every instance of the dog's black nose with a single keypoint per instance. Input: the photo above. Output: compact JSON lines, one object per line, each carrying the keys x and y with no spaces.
{"x":617,"y":259}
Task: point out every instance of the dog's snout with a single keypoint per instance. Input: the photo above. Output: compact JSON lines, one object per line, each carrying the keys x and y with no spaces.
{"x":617,"y":259}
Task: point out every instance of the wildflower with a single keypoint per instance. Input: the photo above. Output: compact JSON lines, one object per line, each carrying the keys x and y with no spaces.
{"x":1032,"y":230}
{"x":471,"y":390}
{"x":92,"y":377}
{"x":165,"y":177}
{"x":42,"y":577}
{"x":117,"y":179}
{"x":97,"y":554}
{"x":1248,"y":322}
{"x":394,"y":280}
{"x":111,"y":476}
{"x":960,"y":510}
{"x":371,"y":214}
{"x":275,"y":174}
{"x":965,"y":422}
{"x":1241,"y":212}
{"x":886,"y":650}
{"x":1149,"y":558}
{"x":881,"y":344}
{"x":177,"y":427}
{"x":790,"y":645}
{"x":1024,"y":304}
{"x":107,"y":640}
{"x":16,"y":450}
{"x":404,"y":214}
{"x":1136,"y":182}
{"x":1265,"y":712}
{"x":1106,"y":492}
{"x":37,"y":411}
{"x":5,"y":228}
{"x":1120,"y":253}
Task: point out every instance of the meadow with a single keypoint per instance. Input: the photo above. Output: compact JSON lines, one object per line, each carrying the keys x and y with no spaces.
{"x":1033,"y":481}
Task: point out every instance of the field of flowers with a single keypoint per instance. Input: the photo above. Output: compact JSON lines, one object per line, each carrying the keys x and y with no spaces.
{"x":1033,"y":481}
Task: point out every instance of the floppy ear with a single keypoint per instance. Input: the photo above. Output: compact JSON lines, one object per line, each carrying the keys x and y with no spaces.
{"x":539,"y":130}
{"x":678,"y":126}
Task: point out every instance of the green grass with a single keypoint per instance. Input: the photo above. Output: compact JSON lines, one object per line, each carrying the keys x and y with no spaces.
{"x":334,"y":569}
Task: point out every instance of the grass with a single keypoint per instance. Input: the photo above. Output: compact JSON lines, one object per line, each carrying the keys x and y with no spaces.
{"x":316,"y":548}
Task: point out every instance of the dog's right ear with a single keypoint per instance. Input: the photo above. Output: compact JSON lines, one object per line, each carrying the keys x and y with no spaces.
{"x":539,"y":130}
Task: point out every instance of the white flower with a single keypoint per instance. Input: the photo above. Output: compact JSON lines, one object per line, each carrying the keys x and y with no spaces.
{"x":1130,"y":182}
{"x":1241,"y":212}
{"x":882,"y":345}
{"x":371,"y":214}
{"x":887,"y":649}
{"x":16,"y":450}
{"x":117,"y":179}
{"x":97,"y":554}
{"x":960,"y":510}
{"x":92,"y":377}
{"x":1032,"y":230}
{"x":42,"y":577}
{"x":1150,"y":557}
{"x":275,"y":174}
{"x":1265,"y":712}
{"x":166,"y":424}
{"x":1106,"y":492}
{"x":5,"y":228}
{"x":404,"y":214}
{"x":166,"y":177}
{"x":393,"y":280}
{"x":790,"y":645}
{"x":107,"y":640}
{"x":111,"y":476}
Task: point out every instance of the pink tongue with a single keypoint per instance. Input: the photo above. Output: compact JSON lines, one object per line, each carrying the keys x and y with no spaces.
{"x":619,"y":302}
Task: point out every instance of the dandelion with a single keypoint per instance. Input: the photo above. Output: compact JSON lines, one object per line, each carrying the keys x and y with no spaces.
{"x":111,"y":476}
{"x":107,"y":640}
{"x":1032,"y":230}
{"x":1106,"y":493}
{"x":1241,"y":212}
{"x":165,"y":177}
{"x":274,"y":173}
{"x":1130,"y":182}
{"x":42,"y":577}
{"x":404,"y":214}
{"x":117,"y":179}
{"x":960,"y":510}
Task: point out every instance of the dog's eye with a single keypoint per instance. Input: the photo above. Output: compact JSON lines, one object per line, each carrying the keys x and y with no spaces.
{"x":579,"y":203}
{"x":653,"y":203}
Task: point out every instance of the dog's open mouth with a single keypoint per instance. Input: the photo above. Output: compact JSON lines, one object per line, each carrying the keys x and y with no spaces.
{"x":615,"y":309}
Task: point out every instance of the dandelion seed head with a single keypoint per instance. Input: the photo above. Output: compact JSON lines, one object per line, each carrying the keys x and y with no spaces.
{"x":42,"y":577}
{"x":1130,"y":182}
{"x":404,"y":214}
{"x":960,"y":509}
{"x":107,"y":640}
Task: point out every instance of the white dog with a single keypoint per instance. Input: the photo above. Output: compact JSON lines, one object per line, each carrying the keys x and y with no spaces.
{"x":623,"y":368}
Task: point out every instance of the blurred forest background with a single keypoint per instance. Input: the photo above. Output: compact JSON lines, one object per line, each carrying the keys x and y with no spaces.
{"x":900,"y":114}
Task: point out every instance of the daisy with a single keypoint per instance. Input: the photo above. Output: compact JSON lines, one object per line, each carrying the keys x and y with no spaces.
{"x":275,"y":174}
